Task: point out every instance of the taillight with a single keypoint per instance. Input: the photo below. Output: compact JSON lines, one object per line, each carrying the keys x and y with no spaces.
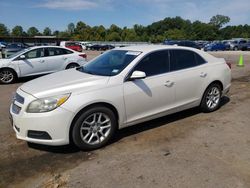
{"x":83,"y":55}
{"x":229,"y":65}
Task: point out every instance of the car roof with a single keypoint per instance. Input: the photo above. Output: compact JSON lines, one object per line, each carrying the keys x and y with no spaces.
{"x":35,"y":47}
{"x":150,"y":48}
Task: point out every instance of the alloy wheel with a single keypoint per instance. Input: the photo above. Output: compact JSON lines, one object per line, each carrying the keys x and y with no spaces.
{"x":95,"y":128}
{"x":213,"y":97}
{"x":6,"y":76}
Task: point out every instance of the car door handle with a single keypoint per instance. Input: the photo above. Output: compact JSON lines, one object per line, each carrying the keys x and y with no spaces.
{"x":65,"y":58}
{"x":203,"y":74}
{"x":41,"y":61}
{"x":169,"y":83}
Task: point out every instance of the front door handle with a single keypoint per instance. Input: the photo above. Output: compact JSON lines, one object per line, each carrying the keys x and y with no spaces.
{"x":41,"y":61}
{"x":203,"y":74}
{"x":169,"y":83}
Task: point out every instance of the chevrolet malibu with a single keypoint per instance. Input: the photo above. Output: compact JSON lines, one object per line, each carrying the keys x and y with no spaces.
{"x":120,"y":88}
{"x":38,"y":60}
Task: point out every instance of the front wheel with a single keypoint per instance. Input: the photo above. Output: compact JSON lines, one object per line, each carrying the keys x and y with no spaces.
{"x":72,"y":66}
{"x":7,"y":76}
{"x":94,"y":128}
{"x":211,"y":98}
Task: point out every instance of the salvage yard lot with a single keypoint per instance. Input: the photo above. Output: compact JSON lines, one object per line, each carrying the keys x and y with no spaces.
{"x":186,"y":149}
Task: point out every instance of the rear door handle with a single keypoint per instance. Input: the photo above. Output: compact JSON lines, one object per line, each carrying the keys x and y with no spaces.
{"x":203,"y":74}
{"x":169,"y":83}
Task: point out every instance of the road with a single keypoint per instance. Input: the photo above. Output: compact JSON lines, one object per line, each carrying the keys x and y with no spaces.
{"x":186,"y":149}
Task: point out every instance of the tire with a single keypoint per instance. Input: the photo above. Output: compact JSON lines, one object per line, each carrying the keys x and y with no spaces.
{"x":90,"y":131}
{"x":211,"y":98}
{"x":235,"y":48}
{"x":72,"y":66}
{"x":7,"y":76}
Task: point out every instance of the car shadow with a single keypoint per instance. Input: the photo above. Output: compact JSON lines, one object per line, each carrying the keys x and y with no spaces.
{"x":28,"y":78}
{"x":128,"y":131}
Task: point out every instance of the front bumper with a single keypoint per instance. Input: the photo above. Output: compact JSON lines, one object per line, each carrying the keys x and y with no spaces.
{"x":55,"y":123}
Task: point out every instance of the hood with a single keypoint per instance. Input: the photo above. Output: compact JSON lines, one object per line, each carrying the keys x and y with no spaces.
{"x":68,"y":81}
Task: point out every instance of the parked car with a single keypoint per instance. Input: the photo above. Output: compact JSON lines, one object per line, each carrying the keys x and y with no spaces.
{"x":248,"y":45}
{"x":38,"y":60}
{"x":72,"y":45}
{"x":12,"y":48}
{"x":240,"y":44}
{"x":97,"y":47}
{"x":215,"y":46}
{"x":85,"y":45}
{"x":107,"y":47}
{"x":227,"y":44}
{"x":120,"y":88}
{"x":2,"y":45}
{"x":186,"y":43}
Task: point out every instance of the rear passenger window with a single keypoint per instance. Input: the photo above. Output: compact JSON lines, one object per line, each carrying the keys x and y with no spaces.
{"x":57,"y":51}
{"x":154,"y":63}
{"x":66,"y":51}
{"x":182,"y":59}
{"x":199,"y":59}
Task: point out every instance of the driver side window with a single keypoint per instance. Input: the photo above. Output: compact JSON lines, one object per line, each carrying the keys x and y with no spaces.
{"x":34,"y":53}
{"x":154,"y":63}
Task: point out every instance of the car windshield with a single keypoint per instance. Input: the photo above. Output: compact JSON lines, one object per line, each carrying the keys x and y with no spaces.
{"x":110,"y":63}
{"x":17,"y":53}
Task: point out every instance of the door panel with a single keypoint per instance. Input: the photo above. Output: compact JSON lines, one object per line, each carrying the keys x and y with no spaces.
{"x":147,"y":97}
{"x":33,"y":64}
{"x":152,"y":95}
{"x":189,"y":74}
{"x":56,"y":59}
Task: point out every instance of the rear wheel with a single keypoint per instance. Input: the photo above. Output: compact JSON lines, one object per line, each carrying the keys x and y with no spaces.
{"x":94,"y":128}
{"x":235,"y":48}
{"x":7,"y":76}
{"x":72,"y":65}
{"x":211,"y":98}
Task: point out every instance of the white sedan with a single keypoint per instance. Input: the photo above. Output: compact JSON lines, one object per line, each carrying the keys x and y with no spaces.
{"x":122,"y":87}
{"x":38,"y":60}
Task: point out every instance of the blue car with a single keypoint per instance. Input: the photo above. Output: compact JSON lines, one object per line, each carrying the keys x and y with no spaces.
{"x":218,"y":46}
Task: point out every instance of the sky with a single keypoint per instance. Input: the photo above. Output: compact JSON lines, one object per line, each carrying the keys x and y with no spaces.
{"x":57,"y":14}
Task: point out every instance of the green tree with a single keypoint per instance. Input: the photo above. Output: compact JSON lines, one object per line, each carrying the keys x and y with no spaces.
{"x":219,"y":20}
{"x":56,"y":33}
{"x":114,"y":36}
{"x":32,"y":31}
{"x":174,"y":34}
{"x":3,"y":30}
{"x":17,"y":31}
{"x":71,"y":28}
{"x":47,"y":31}
{"x":82,"y":31}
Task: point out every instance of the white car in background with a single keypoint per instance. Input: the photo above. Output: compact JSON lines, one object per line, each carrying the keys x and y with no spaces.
{"x":39,"y":60}
{"x":121,"y":87}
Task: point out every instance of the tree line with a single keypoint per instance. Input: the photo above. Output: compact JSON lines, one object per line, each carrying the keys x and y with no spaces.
{"x":169,"y":28}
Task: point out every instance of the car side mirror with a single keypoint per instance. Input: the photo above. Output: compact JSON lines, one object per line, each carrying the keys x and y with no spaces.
{"x":22,"y":57}
{"x":137,"y":75}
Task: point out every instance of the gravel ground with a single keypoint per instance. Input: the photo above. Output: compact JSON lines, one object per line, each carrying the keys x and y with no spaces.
{"x":186,"y":149}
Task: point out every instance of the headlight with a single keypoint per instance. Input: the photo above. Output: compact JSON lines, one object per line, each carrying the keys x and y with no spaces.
{"x":47,"y":104}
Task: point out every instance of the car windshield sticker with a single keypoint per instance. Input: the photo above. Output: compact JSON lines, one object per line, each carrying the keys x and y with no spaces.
{"x":133,"y":53}
{"x":115,"y":71}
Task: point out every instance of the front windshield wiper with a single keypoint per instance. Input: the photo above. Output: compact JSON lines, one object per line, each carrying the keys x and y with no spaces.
{"x":81,"y":69}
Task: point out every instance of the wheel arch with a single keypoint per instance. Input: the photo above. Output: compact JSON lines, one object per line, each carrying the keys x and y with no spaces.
{"x":10,"y":68}
{"x":213,"y":82}
{"x":71,"y":63}
{"x":105,"y":104}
